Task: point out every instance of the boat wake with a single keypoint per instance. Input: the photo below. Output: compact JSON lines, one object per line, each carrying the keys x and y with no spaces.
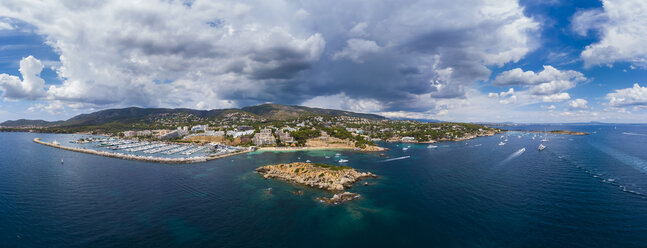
{"x":637,"y":163}
{"x":398,"y":158}
{"x":635,"y":134}
{"x":611,"y":181}
{"x":513,"y":156}
{"x":604,"y":178}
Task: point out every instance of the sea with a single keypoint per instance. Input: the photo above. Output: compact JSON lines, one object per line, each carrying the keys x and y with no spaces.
{"x":581,"y":191}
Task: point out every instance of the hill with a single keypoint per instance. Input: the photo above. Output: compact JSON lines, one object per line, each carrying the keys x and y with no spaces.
{"x":29,"y":123}
{"x":137,"y":118}
{"x":285,"y":112}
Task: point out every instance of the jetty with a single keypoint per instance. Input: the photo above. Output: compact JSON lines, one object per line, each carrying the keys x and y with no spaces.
{"x":186,"y":160}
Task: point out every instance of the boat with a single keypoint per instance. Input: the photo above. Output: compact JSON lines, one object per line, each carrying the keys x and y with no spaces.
{"x":337,"y":155}
{"x":62,"y":161}
{"x":432,"y":146}
{"x":343,"y":161}
{"x":541,"y":147}
{"x":544,"y":140}
{"x":308,"y":161}
{"x":405,"y":148}
{"x":327,"y":157}
{"x":501,"y":143}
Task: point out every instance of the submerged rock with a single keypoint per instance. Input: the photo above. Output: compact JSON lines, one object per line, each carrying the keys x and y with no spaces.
{"x":339,"y":198}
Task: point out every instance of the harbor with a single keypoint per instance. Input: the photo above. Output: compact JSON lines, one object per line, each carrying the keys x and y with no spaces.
{"x":156,"y":152}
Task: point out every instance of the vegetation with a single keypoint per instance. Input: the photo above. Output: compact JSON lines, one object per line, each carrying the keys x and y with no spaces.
{"x":330,"y":166}
{"x":302,"y":135}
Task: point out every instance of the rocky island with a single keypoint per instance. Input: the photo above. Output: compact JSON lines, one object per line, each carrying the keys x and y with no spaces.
{"x":322,"y":176}
{"x":567,"y":132}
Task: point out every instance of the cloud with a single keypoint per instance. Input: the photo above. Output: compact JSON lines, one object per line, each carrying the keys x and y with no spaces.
{"x":559,"y":97}
{"x":549,"y":107}
{"x":359,"y":29}
{"x":547,"y":85}
{"x":622,"y":25}
{"x":629,"y":97}
{"x":584,"y":21}
{"x":547,"y":76}
{"x":356,"y":49}
{"x":578,"y":104}
{"x":228,"y":53}
{"x":5,"y":24}
{"x":55,"y":107}
{"x":30,"y":87}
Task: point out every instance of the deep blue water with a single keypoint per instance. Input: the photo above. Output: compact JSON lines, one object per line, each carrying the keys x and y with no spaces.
{"x":582,"y":191}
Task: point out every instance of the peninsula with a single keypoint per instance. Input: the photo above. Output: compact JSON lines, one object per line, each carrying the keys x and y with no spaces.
{"x":150,"y":131}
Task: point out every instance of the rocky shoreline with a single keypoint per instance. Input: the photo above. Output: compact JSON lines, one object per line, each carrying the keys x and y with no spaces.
{"x":322,"y":176}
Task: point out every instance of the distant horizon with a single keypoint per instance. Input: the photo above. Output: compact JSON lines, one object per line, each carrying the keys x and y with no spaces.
{"x":413,"y":119}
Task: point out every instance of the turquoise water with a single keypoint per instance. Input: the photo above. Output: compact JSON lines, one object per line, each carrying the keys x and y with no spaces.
{"x":582,"y":191}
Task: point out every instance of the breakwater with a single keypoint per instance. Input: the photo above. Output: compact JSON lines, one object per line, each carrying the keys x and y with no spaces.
{"x":153,"y":159}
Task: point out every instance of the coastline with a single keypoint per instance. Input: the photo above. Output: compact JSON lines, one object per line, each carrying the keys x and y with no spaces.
{"x":291,"y":149}
{"x":140,"y":158}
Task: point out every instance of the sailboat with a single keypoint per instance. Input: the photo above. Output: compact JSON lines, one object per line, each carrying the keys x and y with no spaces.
{"x":541,"y":147}
{"x":544,"y":139}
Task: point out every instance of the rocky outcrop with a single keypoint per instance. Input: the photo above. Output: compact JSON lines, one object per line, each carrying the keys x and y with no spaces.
{"x":339,"y":198}
{"x":323,"y":176}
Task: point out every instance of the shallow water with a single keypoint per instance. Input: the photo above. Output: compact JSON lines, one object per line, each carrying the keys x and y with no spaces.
{"x":582,"y":191}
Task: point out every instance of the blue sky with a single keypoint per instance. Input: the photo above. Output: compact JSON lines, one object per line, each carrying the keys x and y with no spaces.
{"x":468,"y":60}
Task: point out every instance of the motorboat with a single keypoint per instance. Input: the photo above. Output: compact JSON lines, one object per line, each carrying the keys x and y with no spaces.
{"x":541,"y":147}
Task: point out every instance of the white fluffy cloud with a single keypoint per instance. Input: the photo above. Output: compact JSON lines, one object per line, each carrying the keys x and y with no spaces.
{"x":578,"y":104}
{"x":622,"y":25}
{"x":231,"y":53}
{"x":634,"y":96}
{"x":558,"y":97}
{"x":547,"y":85}
{"x":30,"y":87}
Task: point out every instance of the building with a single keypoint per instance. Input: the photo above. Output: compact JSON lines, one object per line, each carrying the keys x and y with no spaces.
{"x":264,"y":137}
{"x":214,"y":133}
{"x":408,"y":139}
{"x":285,"y":136}
{"x":129,"y":134}
{"x":199,"y":128}
{"x":145,"y":133}
{"x":172,"y":135}
{"x":238,"y":133}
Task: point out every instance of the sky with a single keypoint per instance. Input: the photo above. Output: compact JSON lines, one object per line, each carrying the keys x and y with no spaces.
{"x":528,"y":61}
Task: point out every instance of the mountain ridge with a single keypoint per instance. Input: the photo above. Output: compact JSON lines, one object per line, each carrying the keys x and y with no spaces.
{"x":137,"y":114}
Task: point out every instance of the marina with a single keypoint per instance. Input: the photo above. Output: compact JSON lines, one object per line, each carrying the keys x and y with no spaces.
{"x":155,"y":151}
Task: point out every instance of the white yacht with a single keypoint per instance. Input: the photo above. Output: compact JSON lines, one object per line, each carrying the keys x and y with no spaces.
{"x":501,"y":143}
{"x":432,"y":146}
{"x":343,"y":161}
{"x":541,"y":147}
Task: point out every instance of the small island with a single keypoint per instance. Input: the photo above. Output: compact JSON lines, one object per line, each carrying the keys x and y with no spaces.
{"x":322,"y":176}
{"x":567,"y":132}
